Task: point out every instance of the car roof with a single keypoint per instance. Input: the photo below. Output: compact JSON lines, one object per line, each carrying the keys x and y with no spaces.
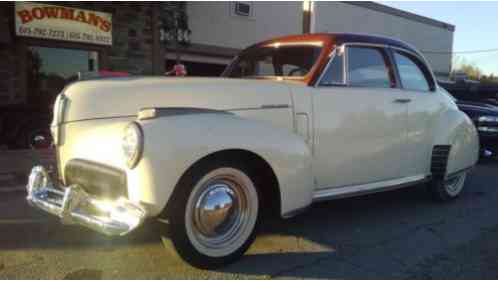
{"x":340,"y":38}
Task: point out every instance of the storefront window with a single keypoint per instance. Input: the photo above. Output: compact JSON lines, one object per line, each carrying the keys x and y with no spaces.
{"x":50,"y":69}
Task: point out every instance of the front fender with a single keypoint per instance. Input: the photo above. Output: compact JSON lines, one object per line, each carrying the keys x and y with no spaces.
{"x":455,"y":128}
{"x":174,"y":143}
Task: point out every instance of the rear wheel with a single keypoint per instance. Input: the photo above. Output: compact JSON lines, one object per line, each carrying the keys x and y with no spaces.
{"x":449,"y":188}
{"x":214,"y":213}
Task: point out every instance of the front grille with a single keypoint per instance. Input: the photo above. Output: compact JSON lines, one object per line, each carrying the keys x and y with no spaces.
{"x":96,"y":179}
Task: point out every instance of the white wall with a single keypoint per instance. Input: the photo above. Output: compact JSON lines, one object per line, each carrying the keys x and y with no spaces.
{"x":343,"y":17}
{"x":213,"y":23}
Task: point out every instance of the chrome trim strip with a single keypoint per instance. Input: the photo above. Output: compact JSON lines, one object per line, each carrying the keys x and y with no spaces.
{"x":298,"y":43}
{"x":268,"y":106}
{"x":355,"y":190}
{"x":171,"y":111}
{"x":155,"y":112}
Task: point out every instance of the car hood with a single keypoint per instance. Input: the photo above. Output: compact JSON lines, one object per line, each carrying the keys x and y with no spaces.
{"x":125,"y":96}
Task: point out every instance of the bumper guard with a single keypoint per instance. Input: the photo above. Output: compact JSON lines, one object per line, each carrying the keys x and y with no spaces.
{"x":75,"y":206}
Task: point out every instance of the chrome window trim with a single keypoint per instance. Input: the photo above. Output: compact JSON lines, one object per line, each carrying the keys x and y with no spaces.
{"x":331,"y":56}
{"x":426,"y":64}
{"x":384,"y":48}
{"x":374,"y":45}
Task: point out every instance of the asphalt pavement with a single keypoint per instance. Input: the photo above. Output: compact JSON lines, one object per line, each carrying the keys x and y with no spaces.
{"x":399,"y":234}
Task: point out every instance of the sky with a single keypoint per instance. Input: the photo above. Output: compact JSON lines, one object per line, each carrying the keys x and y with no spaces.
{"x":476,"y":26}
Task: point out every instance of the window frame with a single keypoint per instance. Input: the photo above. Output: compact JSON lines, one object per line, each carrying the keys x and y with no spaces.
{"x":419,"y":62}
{"x":391,"y":71}
{"x":385,"y":51}
{"x":332,"y":56}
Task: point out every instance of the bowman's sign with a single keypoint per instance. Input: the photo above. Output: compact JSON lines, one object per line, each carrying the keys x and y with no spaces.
{"x":63,"y":23}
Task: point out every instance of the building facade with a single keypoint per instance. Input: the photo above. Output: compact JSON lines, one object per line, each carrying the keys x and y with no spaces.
{"x":221,"y":29}
{"x":431,"y":37}
{"x":43,"y":45}
{"x":35,"y":56}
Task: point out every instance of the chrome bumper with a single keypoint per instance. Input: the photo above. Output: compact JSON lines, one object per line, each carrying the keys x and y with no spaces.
{"x":74,"y":206}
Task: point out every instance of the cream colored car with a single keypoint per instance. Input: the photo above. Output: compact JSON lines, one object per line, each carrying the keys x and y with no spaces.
{"x":293,"y":121}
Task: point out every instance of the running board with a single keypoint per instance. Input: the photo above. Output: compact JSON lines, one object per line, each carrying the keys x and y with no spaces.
{"x":357,"y":190}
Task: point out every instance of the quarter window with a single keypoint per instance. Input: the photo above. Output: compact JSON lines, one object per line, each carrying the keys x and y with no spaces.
{"x":368,"y":67}
{"x":412,"y":77}
{"x":334,"y":74}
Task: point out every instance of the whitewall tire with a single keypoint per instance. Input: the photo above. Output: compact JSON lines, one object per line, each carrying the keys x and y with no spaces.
{"x":214,"y":214}
{"x":449,"y":188}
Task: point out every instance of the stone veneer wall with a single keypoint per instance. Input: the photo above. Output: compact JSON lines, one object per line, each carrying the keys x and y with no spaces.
{"x":132,"y":49}
{"x":8,"y":66}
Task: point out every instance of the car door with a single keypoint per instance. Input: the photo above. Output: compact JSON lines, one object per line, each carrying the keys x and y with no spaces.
{"x":360,"y":119}
{"x":423,"y":109}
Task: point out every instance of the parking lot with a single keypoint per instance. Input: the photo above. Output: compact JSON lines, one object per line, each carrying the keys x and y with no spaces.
{"x":400,"y":234}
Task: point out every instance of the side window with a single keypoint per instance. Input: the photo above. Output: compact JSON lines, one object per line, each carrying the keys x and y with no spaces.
{"x":369,"y":67}
{"x":334,"y":74}
{"x":412,"y":77}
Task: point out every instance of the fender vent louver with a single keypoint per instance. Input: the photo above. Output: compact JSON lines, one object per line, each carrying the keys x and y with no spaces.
{"x":439,"y":160}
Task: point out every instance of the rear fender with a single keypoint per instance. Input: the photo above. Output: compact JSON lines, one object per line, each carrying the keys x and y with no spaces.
{"x":455,"y":129}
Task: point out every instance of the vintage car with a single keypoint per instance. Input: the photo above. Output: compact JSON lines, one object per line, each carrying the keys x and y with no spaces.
{"x":293,"y":120}
{"x":485,"y":118}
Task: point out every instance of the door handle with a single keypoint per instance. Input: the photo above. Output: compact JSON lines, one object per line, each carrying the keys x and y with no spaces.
{"x":402,"y":100}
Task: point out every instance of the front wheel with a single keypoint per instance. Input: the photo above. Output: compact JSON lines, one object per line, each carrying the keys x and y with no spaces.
{"x":214,"y":213}
{"x":449,"y":188}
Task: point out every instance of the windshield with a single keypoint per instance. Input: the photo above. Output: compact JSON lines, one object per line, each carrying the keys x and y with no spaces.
{"x":275,"y":60}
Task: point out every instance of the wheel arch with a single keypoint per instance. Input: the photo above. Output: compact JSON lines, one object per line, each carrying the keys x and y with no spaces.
{"x":271,"y":193}
{"x":456,"y":132}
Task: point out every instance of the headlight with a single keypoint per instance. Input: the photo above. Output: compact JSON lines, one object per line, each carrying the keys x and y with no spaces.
{"x":488,"y":119}
{"x":132,"y":144}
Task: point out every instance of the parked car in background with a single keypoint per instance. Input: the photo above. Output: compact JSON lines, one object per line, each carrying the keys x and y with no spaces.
{"x":485,"y":118}
{"x":293,"y":120}
{"x":473,"y":91}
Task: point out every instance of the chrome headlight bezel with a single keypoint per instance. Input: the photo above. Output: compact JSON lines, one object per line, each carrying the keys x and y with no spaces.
{"x":132,"y":144}
{"x":488,"y":119}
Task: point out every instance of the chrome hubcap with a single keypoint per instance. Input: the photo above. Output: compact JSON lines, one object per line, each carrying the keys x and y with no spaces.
{"x":217,"y":209}
{"x":220,"y":213}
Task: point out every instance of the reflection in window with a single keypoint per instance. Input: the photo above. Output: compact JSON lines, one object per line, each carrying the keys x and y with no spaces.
{"x":411,"y":75}
{"x":367,"y":67}
{"x":50,"y":69}
{"x":334,"y":74}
